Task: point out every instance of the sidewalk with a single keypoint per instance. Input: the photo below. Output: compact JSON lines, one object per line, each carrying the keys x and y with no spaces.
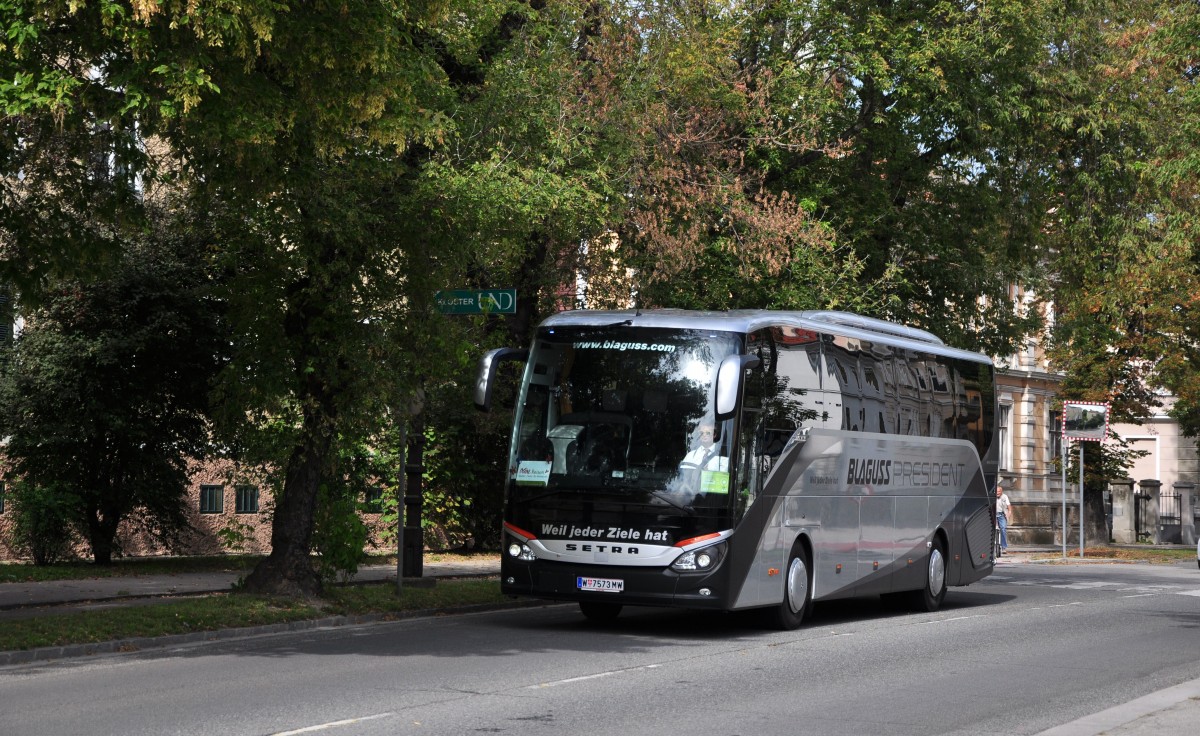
{"x":26,"y":600}
{"x":30,"y":600}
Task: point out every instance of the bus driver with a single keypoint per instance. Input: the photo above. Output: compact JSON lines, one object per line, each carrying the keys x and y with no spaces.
{"x":708,"y":454}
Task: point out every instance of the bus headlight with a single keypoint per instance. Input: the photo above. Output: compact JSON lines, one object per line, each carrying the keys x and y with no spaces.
{"x":521,"y":552}
{"x":699,"y":560}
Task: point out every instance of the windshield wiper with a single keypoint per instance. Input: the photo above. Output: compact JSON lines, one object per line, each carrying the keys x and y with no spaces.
{"x":666,"y":498}
{"x":544,"y":494}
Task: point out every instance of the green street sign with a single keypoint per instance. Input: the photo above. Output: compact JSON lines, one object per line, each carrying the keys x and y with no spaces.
{"x":477,"y":301}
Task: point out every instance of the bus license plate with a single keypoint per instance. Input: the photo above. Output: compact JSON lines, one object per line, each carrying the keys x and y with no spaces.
{"x":604,"y":585}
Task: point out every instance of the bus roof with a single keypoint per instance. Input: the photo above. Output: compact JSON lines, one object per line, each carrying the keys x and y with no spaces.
{"x":846,"y":324}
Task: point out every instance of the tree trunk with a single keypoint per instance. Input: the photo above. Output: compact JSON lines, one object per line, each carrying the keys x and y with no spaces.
{"x":311,"y":327}
{"x":288,"y":570}
{"x":102,"y":534}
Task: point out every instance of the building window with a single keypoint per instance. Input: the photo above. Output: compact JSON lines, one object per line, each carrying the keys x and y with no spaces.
{"x":1055,"y":440}
{"x":373,"y":500}
{"x":2,"y":489}
{"x":1004,"y":437}
{"x":246,"y":500}
{"x":212,"y":499}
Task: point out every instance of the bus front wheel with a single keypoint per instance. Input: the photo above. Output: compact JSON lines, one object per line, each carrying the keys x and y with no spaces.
{"x":594,"y":611}
{"x":797,"y":591}
{"x":929,"y":598}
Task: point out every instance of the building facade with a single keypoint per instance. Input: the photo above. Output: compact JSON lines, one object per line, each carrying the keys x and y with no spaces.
{"x":1030,"y":436}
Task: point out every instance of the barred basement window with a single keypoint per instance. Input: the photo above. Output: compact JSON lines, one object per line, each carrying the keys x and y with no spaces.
{"x":212,"y":499}
{"x":246,"y":500}
{"x":373,"y":500}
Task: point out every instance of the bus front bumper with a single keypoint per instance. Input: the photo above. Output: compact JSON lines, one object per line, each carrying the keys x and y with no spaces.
{"x":639,"y":586}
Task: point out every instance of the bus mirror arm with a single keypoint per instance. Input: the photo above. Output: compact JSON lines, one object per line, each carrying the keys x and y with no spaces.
{"x":488,"y":365}
{"x":729,"y":383}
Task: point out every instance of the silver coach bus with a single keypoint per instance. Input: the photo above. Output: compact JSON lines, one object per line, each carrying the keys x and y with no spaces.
{"x":744,"y":459}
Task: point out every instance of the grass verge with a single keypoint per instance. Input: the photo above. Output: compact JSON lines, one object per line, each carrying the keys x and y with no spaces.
{"x":236,"y":610}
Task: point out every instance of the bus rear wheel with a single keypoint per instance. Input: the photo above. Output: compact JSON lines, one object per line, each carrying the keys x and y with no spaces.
{"x":797,"y":592}
{"x":929,"y":598}
{"x":602,"y":612}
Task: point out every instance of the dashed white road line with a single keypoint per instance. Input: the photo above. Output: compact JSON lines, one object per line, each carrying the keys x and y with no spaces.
{"x":333,"y":724}
{"x":595,"y":676}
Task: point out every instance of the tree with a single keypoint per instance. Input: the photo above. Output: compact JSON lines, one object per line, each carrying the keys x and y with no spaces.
{"x":1175,"y":169}
{"x":924,"y":112}
{"x":861,"y":155}
{"x":104,"y":398}
{"x":1124,"y":216}
{"x":300,"y":135}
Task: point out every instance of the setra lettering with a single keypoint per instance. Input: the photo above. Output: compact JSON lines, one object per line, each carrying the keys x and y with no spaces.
{"x":610,"y":548}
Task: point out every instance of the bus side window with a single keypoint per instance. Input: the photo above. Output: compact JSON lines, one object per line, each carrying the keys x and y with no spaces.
{"x":750,"y":477}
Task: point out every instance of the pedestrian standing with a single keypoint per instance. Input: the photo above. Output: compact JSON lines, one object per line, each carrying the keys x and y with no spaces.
{"x":1003,"y":509}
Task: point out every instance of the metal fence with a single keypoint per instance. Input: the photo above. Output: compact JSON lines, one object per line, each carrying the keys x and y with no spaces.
{"x":1169,"y":520}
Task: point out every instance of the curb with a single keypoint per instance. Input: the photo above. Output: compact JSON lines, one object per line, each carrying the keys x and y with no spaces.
{"x":139,"y":644}
{"x":1120,"y":719}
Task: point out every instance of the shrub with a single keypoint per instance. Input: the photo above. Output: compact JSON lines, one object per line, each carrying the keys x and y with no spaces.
{"x":41,"y":528}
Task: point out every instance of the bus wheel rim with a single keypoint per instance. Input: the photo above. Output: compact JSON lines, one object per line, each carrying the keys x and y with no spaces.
{"x":937,"y":571}
{"x":797,"y":585}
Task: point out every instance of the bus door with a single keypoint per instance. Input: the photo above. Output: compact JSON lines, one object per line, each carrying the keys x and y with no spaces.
{"x":837,"y":541}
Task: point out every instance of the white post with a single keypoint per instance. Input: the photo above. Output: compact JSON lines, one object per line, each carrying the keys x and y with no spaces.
{"x":1063,"y":459}
{"x":1081,"y":500}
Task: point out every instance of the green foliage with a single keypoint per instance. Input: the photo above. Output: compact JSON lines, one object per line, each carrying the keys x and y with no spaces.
{"x":920,"y":116}
{"x":464,"y":472}
{"x":337,"y":164}
{"x":104,"y":397}
{"x":1125,"y":217}
{"x":42,"y":523}
{"x":234,"y":535}
{"x":339,"y":534}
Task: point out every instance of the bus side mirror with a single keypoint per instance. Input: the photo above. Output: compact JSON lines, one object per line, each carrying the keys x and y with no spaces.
{"x":729,"y":383}
{"x":488,"y":365}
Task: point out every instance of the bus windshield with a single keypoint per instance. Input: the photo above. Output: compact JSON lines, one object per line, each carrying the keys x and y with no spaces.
{"x":623,"y":414}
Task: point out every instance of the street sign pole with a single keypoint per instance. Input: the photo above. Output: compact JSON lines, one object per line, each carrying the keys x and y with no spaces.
{"x":1062,"y":458}
{"x":1083,"y":421}
{"x":400,"y":506}
{"x":1081,"y":500}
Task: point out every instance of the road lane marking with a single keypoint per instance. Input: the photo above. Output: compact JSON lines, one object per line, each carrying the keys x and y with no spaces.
{"x":1189,"y":592}
{"x":955,"y":618}
{"x":334,"y":724}
{"x":596,"y":676}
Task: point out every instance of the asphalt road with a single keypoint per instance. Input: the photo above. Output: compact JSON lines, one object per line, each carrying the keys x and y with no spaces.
{"x":1031,"y":647}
